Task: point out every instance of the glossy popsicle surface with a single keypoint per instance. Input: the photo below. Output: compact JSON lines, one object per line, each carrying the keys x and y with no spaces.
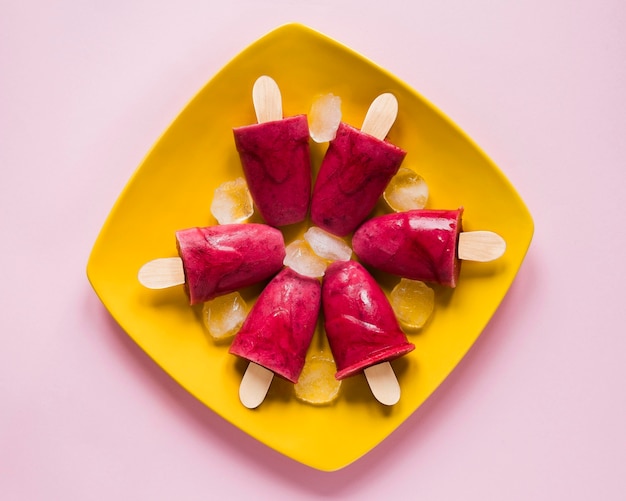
{"x":419,"y":244}
{"x":360,"y":324}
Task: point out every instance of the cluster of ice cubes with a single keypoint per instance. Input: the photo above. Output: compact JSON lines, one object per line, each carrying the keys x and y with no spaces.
{"x":311,"y":255}
{"x":300,"y":257}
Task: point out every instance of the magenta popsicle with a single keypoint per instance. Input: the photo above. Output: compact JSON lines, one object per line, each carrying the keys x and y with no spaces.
{"x":275,"y":158}
{"x":354,"y":173}
{"x":419,"y":244}
{"x":279,"y":328}
{"x":360,"y":324}
{"x":221,"y":259}
{"x":276,"y":163}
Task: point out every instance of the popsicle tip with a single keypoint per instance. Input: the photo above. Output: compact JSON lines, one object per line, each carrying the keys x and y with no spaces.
{"x":267,"y":99}
{"x":383,"y":383}
{"x":254,"y":385}
{"x":482,"y":246}
{"x":162,"y":273}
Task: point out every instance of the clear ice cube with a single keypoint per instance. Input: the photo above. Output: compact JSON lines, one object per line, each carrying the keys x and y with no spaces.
{"x":224,"y":315}
{"x":317,"y":384}
{"x":324,"y":118}
{"x":300,"y":257}
{"x":327,"y":246}
{"x":413,"y":303}
{"x":407,"y":190}
{"x":232,"y":202}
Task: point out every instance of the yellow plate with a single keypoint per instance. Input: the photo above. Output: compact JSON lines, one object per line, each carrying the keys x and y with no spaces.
{"x":173,"y":189}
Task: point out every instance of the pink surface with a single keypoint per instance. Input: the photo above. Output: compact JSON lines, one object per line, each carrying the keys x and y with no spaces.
{"x":537,"y":408}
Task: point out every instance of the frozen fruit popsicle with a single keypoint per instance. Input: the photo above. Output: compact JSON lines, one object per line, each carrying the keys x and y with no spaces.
{"x":423,"y":244}
{"x":362,"y":329}
{"x":355,"y":170}
{"x":276,"y":333}
{"x":275,"y":158}
{"x":216,"y":260}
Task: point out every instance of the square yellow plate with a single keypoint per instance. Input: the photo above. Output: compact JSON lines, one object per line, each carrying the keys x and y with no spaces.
{"x":173,"y":189}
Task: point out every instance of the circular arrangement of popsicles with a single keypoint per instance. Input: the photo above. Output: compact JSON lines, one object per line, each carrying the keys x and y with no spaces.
{"x":362,"y":329}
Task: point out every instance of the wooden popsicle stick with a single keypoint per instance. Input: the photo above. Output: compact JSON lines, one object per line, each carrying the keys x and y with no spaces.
{"x":254,"y":385}
{"x":480,"y":246}
{"x":267,"y":100}
{"x":380,"y":116}
{"x":162,"y":273}
{"x":383,"y":383}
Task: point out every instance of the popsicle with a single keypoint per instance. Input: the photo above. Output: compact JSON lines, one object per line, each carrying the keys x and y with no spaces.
{"x":275,"y":158}
{"x":276,"y":334}
{"x":217,"y":260}
{"x":355,"y":170}
{"x":424,"y":244}
{"x":362,"y":330}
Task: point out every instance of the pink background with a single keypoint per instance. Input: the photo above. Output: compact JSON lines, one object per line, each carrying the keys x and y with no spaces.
{"x":535,"y":411}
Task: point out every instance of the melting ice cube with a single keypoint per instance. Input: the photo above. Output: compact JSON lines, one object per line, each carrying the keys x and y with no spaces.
{"x":324,"y":118}
{"x":413,"y":302}
{"x":327,"y":246}
{"x":300,"y":257}
{"x":224,"y":315}
{"x":407,"y":190}
{"x":317,"y":384}
{"x":232,"y":202}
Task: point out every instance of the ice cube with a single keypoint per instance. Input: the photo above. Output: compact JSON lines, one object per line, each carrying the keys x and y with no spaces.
{"x":300,"y":257}
{"x":407,"y":190}
{"x":326,"y":245}
{"x":224,"y":315}
{"x":324,"y":118}
{"x":317,"y":384}
{"x":413,"y":302}
{"x":232,"y":202}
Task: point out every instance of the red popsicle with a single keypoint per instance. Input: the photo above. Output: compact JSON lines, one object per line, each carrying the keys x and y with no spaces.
{"x":362,"y":329}
{"x":355,"y":170}
{"x":277,"y":332}
{"x":216,"y":260}
{"x":423,"y":244}
{"x":275,"y":158}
